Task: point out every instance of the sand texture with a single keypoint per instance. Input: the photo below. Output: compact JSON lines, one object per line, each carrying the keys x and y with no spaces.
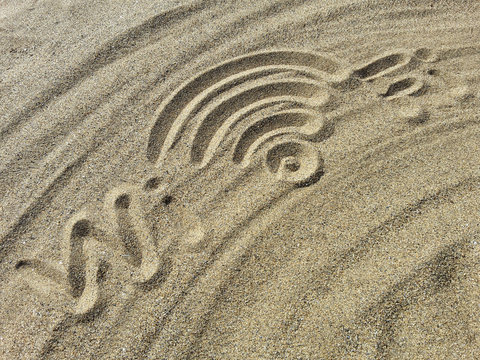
{"x":239,"y":179}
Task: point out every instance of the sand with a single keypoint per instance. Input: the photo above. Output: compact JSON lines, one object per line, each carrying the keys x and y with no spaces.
{"x":239,"y":179}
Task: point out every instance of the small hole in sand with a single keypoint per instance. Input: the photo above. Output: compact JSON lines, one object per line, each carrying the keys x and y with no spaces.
{"x":167,"y":199}
{"x":432,"y":72}
{"x":291,"y":164}
{"x":152,"y":183}
{"x":81,"y":228}
{"x":122,"y":202}
{"x":21,"y":263}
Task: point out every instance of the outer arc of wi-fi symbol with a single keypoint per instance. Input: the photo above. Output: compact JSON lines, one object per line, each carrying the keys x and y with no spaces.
{"x":175,"y":110}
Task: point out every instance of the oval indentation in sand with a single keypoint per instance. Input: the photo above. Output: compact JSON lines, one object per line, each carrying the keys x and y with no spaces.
{"x":404,"y":87}
{"x":383,"y":65}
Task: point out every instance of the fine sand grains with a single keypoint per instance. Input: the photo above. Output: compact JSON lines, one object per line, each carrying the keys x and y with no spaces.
{"x":235,"y":179}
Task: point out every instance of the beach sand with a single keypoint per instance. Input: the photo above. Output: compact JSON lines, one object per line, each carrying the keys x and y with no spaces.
{"x":239,"y":180}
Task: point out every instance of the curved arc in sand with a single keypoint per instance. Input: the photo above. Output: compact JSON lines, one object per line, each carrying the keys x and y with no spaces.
{"x":232,"y":121}
{"x":208,"y":94}
{"x":312,"y":124}
{"x":209,"y":124}
{"x":320,"y":66}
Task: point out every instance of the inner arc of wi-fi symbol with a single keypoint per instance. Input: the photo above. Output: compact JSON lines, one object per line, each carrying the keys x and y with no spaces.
{"x":305,"y":122}
{"x":247,"y":84}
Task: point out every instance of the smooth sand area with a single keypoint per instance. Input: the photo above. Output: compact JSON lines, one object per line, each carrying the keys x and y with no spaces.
{"x":239,"y":179}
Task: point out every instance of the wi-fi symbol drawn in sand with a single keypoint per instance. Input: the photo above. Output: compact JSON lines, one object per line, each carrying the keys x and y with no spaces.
{"x":269,"y":100}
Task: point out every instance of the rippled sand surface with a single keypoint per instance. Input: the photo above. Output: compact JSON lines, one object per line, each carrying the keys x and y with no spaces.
{"x":239,"y":180}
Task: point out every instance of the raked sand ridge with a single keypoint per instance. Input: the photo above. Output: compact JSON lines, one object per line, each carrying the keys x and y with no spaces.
{"x":261,"y":180}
